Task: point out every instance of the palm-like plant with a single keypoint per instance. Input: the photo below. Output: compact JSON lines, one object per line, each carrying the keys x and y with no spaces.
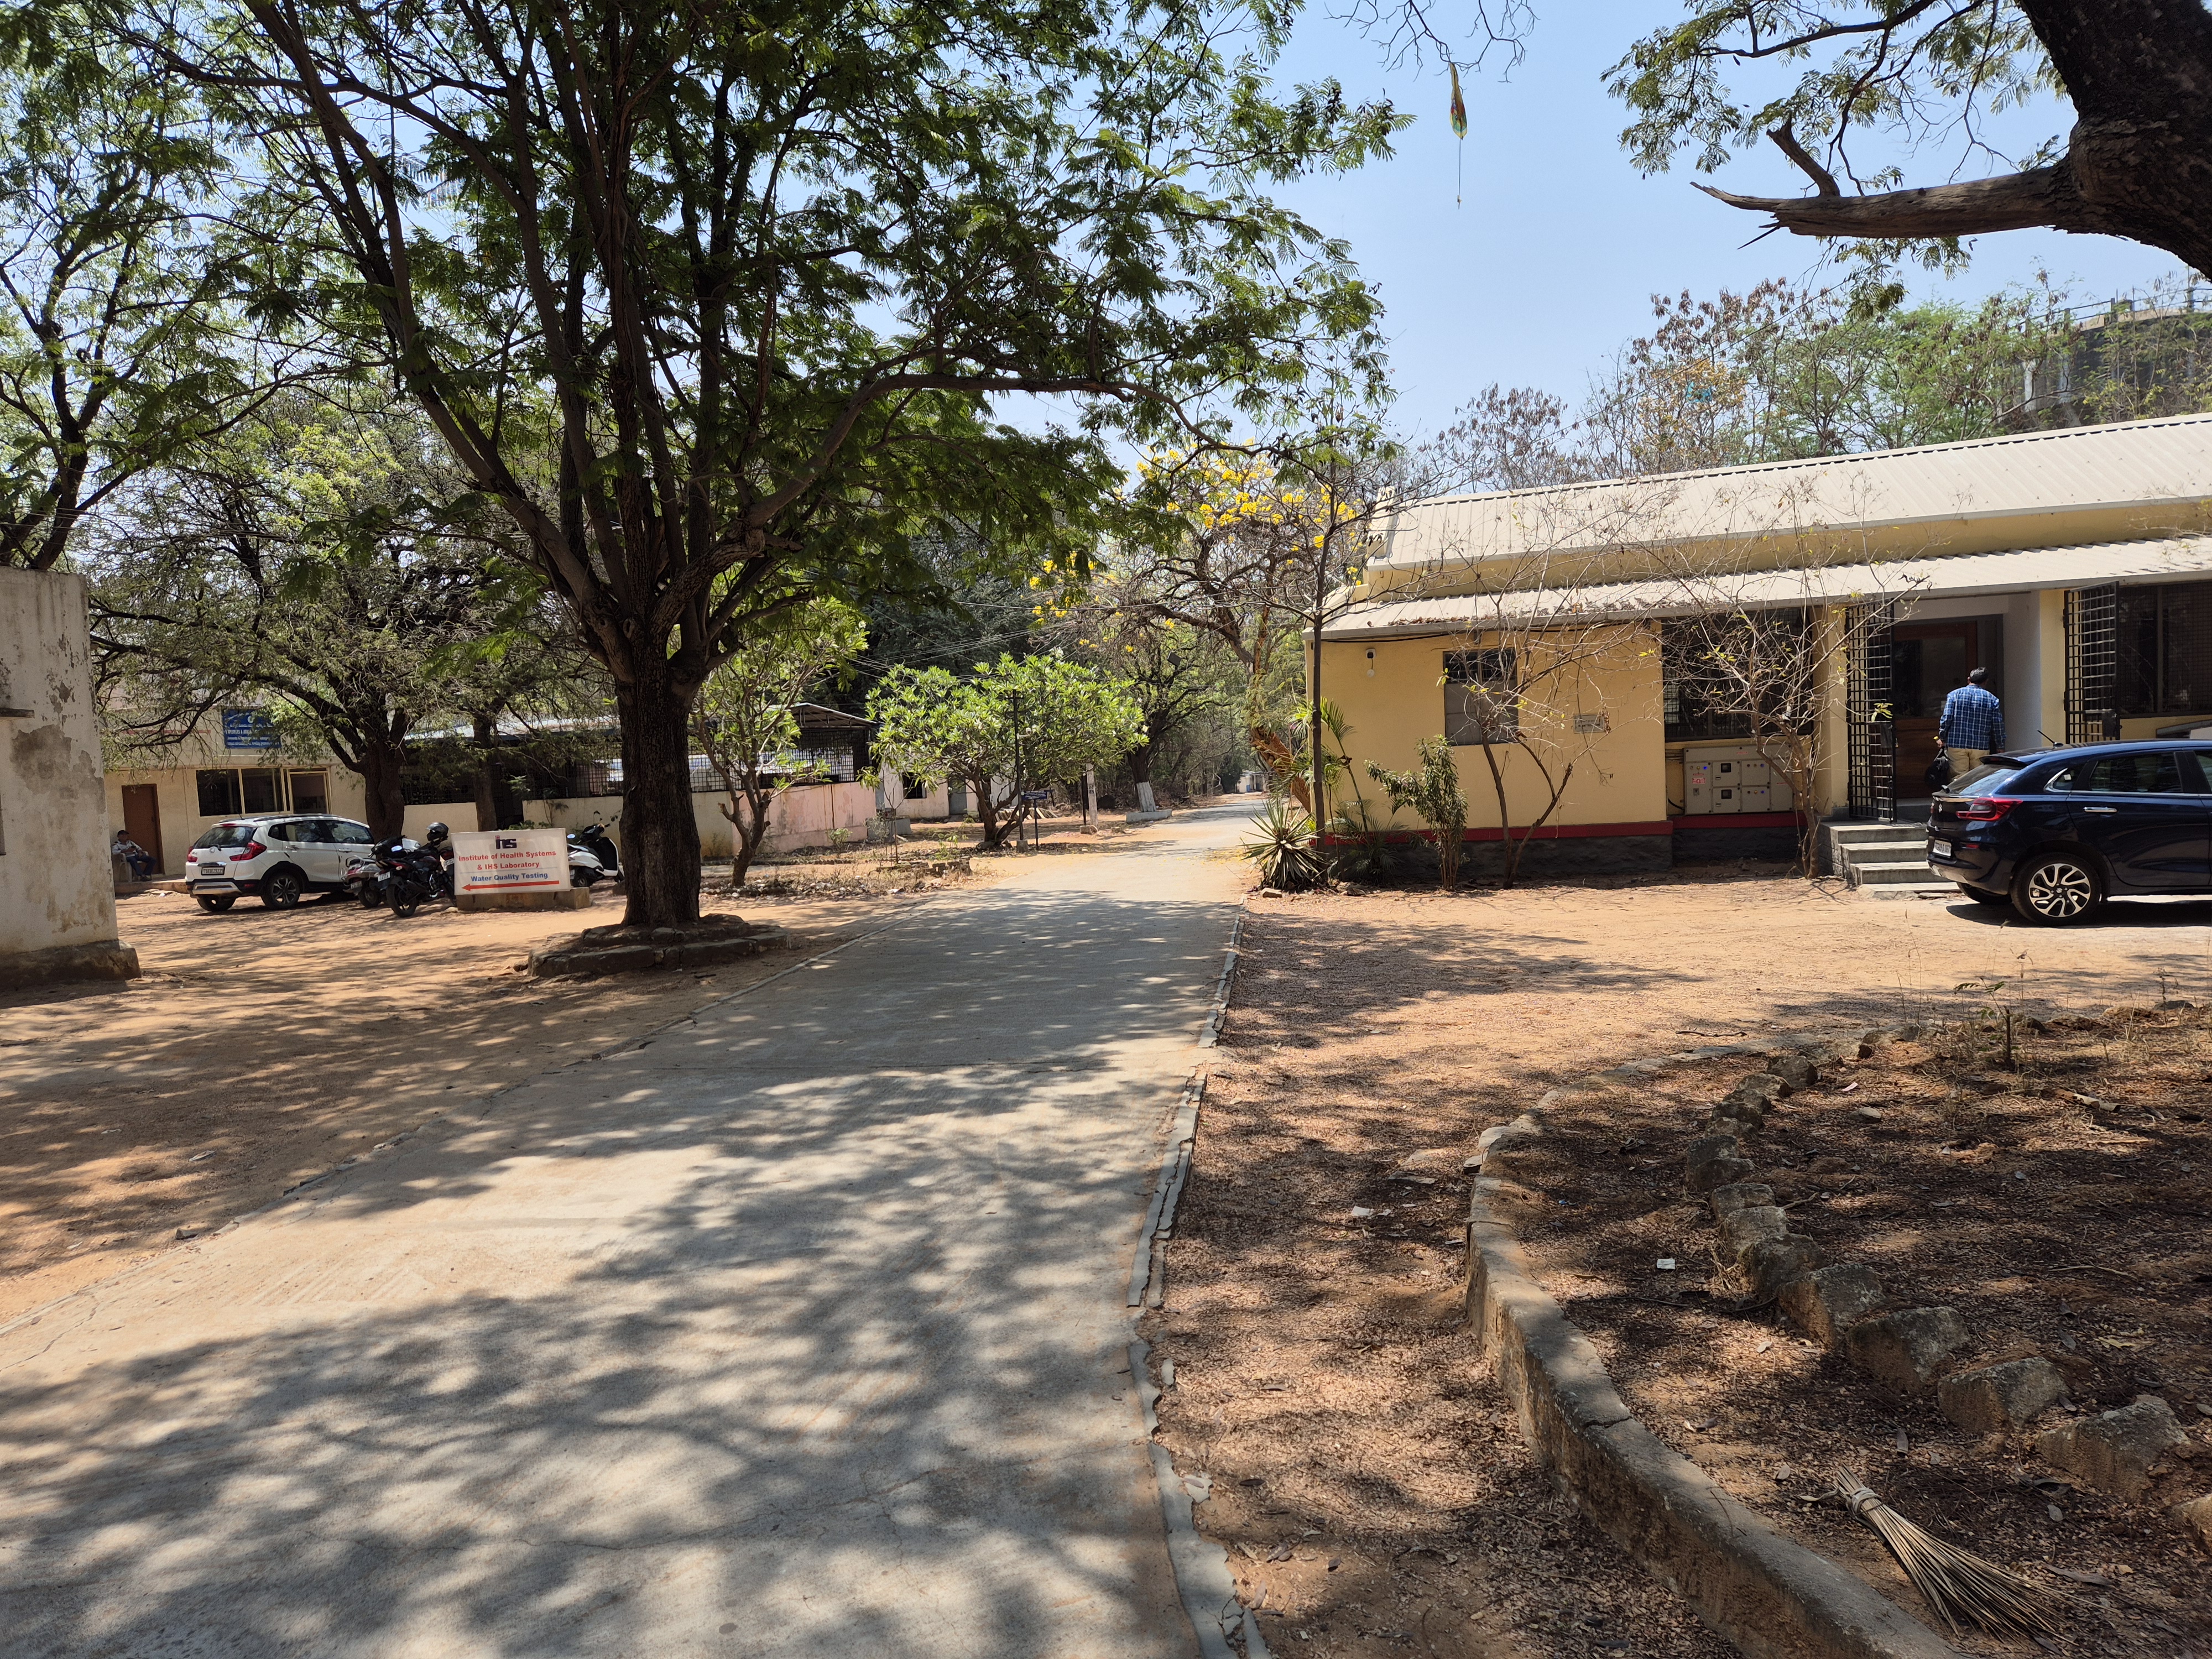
{"x":1283,"y":847}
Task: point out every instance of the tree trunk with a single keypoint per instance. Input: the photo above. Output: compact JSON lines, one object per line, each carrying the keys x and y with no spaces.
{"x":660,"y":836}
{"x":487,"y":791}
{"x":1275,"y":755}
{"x":747,"y":809}
{"x":1140,"y":764}
{"x":379,"y":776}
{"x":985,"y":794}
{"x":2138,"y":162}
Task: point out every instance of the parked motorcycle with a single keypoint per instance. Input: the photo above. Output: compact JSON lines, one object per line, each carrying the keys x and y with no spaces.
{"x":412,"y":873}
{"x":594,"y":840}
{"x":364,"y":880}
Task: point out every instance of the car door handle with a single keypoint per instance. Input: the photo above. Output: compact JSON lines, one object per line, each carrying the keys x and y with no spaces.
{"x":2100,"y":809}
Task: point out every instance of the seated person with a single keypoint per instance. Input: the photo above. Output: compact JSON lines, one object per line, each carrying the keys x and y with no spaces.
{"x":140,"y":860}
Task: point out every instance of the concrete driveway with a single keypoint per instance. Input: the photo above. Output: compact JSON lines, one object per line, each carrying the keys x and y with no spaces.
{"x":798,"y":1330}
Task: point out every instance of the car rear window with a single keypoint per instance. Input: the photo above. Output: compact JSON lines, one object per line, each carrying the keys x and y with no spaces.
{"x":1987,"y":779}
{"x":225,"y":834}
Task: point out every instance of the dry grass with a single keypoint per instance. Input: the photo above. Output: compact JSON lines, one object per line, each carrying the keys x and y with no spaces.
{"x":1322,"y":1378}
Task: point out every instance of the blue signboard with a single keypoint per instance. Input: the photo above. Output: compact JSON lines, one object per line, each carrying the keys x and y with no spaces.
{"x":247,"y":728}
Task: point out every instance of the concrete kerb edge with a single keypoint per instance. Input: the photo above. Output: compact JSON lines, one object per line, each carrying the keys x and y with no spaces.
{"x":1202,"y":1574}
{"x":1211,"y":1033}
{"x":473,"y":1107}
{"x":1770,"y":1597}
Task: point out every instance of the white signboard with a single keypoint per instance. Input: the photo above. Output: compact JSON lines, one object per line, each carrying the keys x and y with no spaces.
{"x":510,"y":860}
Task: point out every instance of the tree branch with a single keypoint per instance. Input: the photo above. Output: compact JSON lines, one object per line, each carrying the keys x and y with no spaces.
{"x":2044,"y":195}
{"x":1786,"y":141}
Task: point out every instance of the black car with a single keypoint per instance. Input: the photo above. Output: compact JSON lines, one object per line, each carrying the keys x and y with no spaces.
{"x":2056,"y":833}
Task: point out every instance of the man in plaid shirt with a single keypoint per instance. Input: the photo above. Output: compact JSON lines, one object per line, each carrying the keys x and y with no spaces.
{"x":1972,"y":724}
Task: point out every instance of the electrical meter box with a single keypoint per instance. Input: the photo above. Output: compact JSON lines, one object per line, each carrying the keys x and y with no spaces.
{"x":1734,"y":778}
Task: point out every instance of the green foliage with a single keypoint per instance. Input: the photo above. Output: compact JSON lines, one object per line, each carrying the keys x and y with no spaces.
{"x":332,"y":561}
{"x":1431,"y":791}
{"x":756,"y":282}
{"x":124,"y":339}
{"x":1014,"y":723}
{"x":1360,"y":848}
{"x":1913,"y":73}
{"x":744,"y":721}
{"x":1282,"y":845}
{"x":1783,"y":374}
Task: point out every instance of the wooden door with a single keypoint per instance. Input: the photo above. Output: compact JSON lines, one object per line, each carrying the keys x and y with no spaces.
{"x":1928,"y":662}
{"x":141,"y":817}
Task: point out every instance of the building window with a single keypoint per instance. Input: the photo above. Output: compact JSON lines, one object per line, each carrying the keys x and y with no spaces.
{"x":1718,"y":673}
{"x":2163,"y":656}
{"x":1480,"y":705}
{"x":218,"y":794}
{"x":233,"y":791}
{"x":1702,"y":705}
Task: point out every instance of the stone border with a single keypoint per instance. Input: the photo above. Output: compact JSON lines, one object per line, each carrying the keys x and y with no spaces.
{"x":618,"y":950}
{"x":1770,"y":1597}
{"x":1203,"y":1576}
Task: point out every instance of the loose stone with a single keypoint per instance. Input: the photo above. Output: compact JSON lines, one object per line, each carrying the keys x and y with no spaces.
{"x":2003,"y":1396}
{"x":1715,"y":1161}
{"x":1739,"y":1195}
{"x":1827,"y":1303}
{"x":1794,"y":1070}
{"x":1773,"y":1265}
{"x":2115,"y":1451}
{"x":1908,"y":1348}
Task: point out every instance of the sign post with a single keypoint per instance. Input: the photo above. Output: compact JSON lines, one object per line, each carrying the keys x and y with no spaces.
{"x":514,"y":870}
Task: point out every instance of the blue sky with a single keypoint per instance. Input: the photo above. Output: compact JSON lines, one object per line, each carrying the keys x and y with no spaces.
{"x":1547,"y":269}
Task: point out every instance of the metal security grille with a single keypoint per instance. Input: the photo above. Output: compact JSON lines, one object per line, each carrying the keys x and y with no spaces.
{"x":2092,"y":664}
{"x":1869,"y":718}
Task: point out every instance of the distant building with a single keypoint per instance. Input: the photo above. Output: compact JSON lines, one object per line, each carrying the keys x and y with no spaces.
{"x":2075,"y":565}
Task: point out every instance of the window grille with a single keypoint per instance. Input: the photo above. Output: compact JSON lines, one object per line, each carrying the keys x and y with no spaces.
{"x":1480,"y":705}
{"x":1870,"y":725}
{"x":2092,"y":664}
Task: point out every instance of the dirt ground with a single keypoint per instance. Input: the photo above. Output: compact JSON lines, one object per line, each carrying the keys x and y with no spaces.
{"x":1367,"y":1476}
{"x":262,"y":1048}
{"x":2058,"y":1223}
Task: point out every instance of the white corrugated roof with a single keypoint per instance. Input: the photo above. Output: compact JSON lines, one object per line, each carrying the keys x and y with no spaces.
{"x":1962,"y":576}
{"x":2156,"y":464}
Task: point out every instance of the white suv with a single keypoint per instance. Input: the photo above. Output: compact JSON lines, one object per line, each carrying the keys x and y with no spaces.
{"x":279,"y":857}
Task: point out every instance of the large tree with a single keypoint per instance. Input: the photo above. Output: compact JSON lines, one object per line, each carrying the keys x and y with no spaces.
{"x":2137,"y":162}
{"x":751,"y":276}
{"x":331,"y":561}
{"x":1814,"y":77}
{"x":125,"y":338}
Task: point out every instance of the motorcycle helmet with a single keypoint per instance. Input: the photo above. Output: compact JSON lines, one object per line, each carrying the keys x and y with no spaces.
{"x":434,"y":834}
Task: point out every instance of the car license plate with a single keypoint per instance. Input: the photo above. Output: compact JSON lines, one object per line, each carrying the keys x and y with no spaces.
{"x":211,"y":869}
{"x":1941,"y":849}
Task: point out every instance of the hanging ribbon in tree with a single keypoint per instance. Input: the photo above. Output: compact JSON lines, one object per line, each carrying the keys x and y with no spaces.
{"x":1459,"y":132}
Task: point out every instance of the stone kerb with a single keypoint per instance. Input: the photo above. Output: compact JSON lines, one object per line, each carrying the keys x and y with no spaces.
{"x":1768,"y":1595}
{"x":619,"y":950}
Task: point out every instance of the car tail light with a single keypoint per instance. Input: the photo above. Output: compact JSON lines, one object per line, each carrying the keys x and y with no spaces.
{"x":1986,"y":809}
{"x":253,"y":849}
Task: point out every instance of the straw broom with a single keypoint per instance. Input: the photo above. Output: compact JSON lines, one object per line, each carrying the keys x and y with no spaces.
{"x":1958,"y":1585}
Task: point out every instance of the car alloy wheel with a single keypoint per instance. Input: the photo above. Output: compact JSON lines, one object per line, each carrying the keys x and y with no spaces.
{"x":280,"y":888}
{"x":2057,"y":890}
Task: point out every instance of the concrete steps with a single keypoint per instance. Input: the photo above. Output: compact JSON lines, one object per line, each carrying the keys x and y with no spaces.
{"x":1885,"y":860}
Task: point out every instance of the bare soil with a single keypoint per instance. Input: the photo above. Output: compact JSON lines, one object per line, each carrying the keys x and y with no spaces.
{"x":1323,"y":1378}
{"x":2058,"y":1222}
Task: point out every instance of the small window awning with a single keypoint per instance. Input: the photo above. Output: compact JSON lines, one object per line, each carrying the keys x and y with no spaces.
{"x":2175,"y":558}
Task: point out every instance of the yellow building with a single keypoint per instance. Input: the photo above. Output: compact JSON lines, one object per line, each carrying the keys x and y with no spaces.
{"x":2075,"y":566}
